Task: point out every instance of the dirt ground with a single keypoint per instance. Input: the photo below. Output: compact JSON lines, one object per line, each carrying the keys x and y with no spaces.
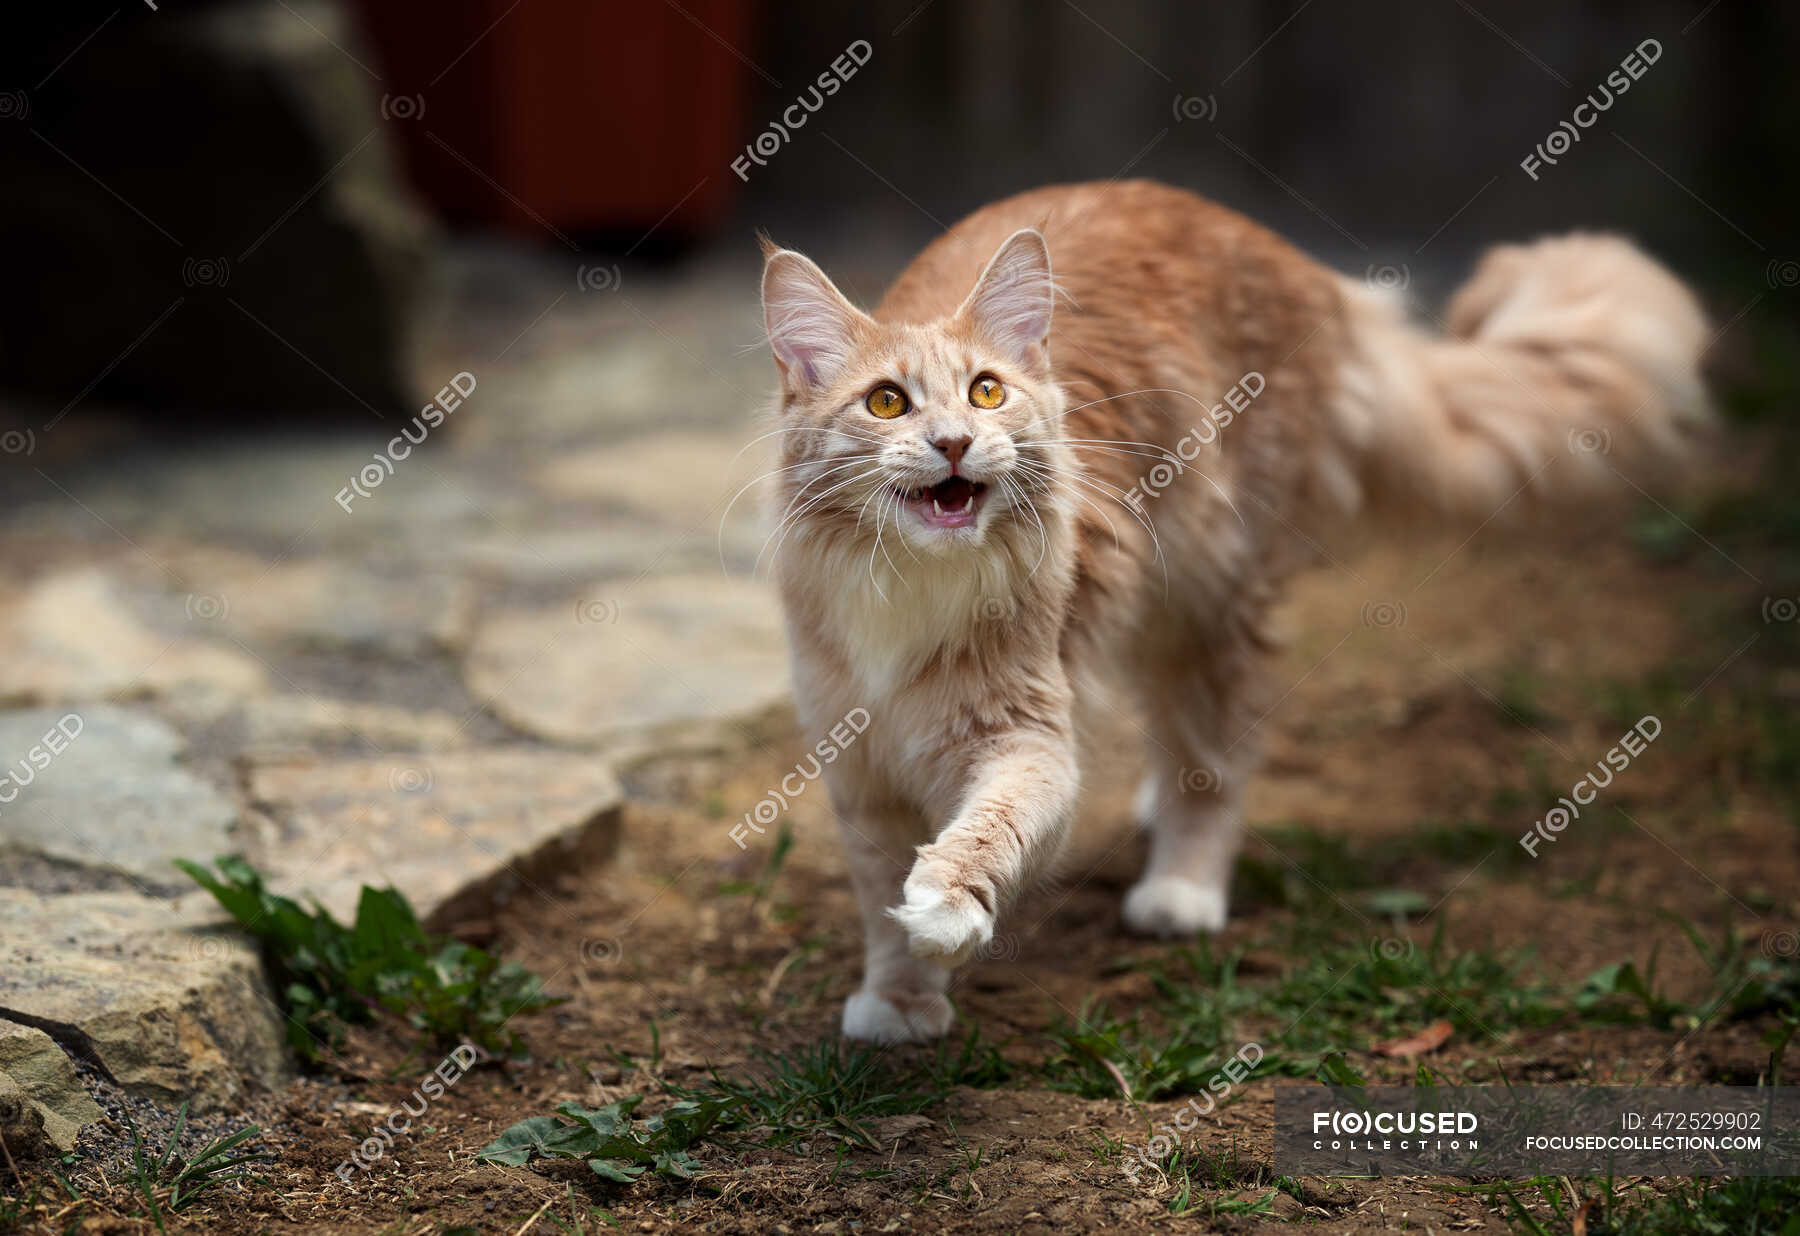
{"x":1491,"y":673}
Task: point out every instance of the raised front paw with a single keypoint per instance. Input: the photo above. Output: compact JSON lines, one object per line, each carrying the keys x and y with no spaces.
{"x":944,"y":922}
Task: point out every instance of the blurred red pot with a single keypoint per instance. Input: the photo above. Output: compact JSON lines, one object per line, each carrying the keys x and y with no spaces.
{"x":557,"y":116}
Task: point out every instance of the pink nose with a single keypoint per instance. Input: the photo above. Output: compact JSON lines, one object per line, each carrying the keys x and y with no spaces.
{"x":953,"y":449}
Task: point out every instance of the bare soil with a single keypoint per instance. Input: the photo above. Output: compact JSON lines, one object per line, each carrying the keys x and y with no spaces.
{"x":1502,"y":678}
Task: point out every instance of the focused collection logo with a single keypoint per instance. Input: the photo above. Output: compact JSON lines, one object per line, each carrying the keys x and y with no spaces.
{"x":1355,"y":1130}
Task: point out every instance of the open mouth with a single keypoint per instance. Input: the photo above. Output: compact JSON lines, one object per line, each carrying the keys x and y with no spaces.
{"x":950,"y":503}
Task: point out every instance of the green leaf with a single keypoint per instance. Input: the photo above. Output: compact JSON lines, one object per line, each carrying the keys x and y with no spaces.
{"x":1396,"y":902}
{"x":611,"y":1169}
{"x":518,"y":1144}
{"x":1334,"y":1070}
{"x":608,"y":1121}
{"x":385,"y":965}
{"x":385,"y":924}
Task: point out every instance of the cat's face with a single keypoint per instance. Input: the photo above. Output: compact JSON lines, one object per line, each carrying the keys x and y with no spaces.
{"x":933,"y":432}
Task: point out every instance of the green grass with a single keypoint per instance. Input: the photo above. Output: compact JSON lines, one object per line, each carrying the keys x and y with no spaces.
{"x":1177,"y":1045}
{"x":1744,"y":983}
{"x":14,"y":1211}
{"x":1300,"y":867}
{"x":383,"y":964}
{"x":1737,"y":1206}
{"x":1343,"y":993}
{"x":829,"y":1088}
{"x":970,"y":1061}
{"x":1347,"y":991}
{"x":164,"y":1181}
{"x":1199,"y":1177}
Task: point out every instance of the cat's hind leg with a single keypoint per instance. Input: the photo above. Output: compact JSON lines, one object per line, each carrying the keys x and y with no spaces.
{"x":1198,"y":698}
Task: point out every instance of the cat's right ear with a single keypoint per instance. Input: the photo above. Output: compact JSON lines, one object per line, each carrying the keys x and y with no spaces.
{"x":812,"y":329}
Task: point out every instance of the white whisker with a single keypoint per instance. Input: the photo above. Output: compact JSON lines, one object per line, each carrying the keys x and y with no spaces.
{"x":1077,"y":494}
{"x":1117,"y":495}
{"x":1101,"y":444}
{"x":1018,"y":494}
{"x":720,"y":538}
{"x":788,"y":524}
{"x":1149,"y":390}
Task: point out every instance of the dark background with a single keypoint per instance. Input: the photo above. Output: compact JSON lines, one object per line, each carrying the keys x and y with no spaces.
{"x":314,"y":161}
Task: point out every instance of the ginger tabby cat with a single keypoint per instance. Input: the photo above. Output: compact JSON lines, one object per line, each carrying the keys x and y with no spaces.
{"x":969,"y":543}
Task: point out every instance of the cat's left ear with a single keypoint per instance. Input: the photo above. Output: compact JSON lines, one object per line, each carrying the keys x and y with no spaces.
{"x":1012,"y":300}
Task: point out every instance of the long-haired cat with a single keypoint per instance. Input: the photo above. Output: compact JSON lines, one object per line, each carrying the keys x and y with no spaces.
{"x":974,"y":531}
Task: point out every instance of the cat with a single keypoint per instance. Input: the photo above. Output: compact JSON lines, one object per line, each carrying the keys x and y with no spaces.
{"x":1016,"y":481}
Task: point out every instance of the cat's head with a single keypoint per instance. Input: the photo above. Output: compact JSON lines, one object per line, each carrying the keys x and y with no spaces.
{"x":940,"y":432}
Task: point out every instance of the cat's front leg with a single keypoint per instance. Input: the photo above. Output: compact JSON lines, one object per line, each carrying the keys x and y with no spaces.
{"x":902,"y":999}
{"x":1020,"y":800}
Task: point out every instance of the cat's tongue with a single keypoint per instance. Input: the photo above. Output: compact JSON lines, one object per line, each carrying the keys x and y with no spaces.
{"x":949,"y":504}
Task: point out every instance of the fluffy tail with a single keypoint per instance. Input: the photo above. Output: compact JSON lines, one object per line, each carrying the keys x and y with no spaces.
{"x":1568,"y":363}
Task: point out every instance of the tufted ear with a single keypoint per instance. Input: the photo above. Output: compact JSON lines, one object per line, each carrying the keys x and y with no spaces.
{"x":811,"y":327}
{"x":1012,"y":300}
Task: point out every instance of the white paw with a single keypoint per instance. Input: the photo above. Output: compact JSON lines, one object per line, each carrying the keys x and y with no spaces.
{"x":947,"y":926}
{"x":1172,"y":906}
{"x":914,"y":1019}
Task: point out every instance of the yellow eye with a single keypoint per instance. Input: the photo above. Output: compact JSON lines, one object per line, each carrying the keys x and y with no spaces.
{"x":887,"y":402}
{"x":986,"y":392}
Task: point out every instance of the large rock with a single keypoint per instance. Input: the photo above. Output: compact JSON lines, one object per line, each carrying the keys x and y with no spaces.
{"x":31,"y":1061}
{"x":110,"y":794}
{"x":635,"y":476}
{"x":545,"y":559}
{"x":22,"y":1131}
{"x":283,"y":725}
{"x":457,"y":834}
{"x":70,"y":636}
{"x":658,"y":651}
{"x":276,"y":494}
{"x":391,"y":609}
{"x":296,"y":296}
{"x":168,"y":1004}
{"x":718,"y":504}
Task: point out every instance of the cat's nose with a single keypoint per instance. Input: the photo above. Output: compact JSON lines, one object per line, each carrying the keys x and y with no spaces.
{"x":953,"y":448}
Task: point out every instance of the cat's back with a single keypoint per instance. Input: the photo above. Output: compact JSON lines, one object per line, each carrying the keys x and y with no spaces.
{"x":1131,"y":251}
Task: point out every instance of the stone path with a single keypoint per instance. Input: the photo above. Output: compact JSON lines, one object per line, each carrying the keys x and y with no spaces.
{"x":206,"y":653}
